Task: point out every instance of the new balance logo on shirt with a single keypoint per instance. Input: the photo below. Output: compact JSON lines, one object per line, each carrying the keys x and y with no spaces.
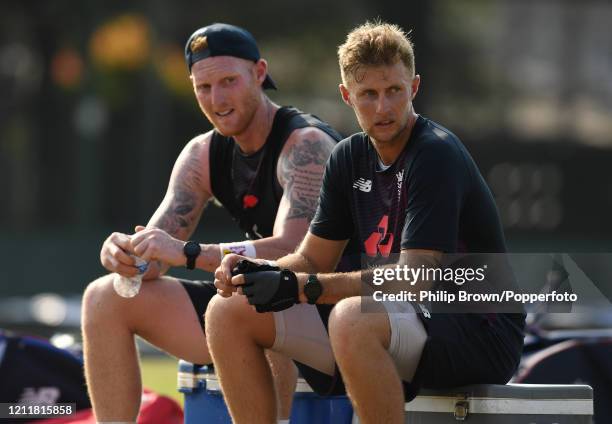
{"x":363,"y":185}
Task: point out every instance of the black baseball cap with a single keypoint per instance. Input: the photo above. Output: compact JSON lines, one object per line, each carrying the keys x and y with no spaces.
{"x":225,"y":40}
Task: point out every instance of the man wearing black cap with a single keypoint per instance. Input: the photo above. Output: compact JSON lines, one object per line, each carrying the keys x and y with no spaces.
{"x":263,"y":162}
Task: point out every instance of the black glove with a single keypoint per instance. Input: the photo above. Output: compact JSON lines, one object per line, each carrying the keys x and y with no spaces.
{"x":268,"y":287}
{"x":245,"y":266}
{"x":271,"y":291}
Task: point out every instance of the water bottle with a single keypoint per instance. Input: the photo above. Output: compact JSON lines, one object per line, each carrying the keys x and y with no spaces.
{"x":130,"y":286}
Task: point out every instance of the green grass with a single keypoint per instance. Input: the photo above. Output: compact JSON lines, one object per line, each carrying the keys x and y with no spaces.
{"x":159,"y":375}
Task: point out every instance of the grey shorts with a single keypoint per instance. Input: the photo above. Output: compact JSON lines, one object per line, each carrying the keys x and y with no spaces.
{"x":301,"y":335}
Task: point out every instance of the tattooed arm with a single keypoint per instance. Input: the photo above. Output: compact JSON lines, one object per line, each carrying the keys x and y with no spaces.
{"x":180,"y":211}
{"x":300,"y":170}
{"x":173,"y":222}
{"x":188,"y":191}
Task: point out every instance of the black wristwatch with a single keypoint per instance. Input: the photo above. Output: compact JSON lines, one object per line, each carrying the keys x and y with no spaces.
{"x":192,"y":250}
{"x":312,"y":289}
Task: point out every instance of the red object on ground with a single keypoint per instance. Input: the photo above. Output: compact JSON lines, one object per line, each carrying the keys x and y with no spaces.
{"x":154,"y":409}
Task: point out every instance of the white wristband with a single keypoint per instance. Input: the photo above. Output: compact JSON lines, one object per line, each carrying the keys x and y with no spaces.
{"x":243,"y":248}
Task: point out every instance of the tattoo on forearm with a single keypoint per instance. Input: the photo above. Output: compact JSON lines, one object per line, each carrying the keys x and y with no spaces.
{"x":181,"y":214}
{"x":302,"y":171}
{"x":184,"y":203}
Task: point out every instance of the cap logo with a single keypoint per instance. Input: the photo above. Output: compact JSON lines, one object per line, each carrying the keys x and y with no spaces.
{"x":198,"y":43}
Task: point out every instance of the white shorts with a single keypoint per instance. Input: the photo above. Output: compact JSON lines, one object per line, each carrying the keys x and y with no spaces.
{"x":301,"y":335}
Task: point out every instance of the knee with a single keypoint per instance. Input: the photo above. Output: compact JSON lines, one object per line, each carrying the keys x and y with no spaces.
{"x":350,"y":327}
{"x":345,"y":323}
{"x":99,"y":301}
{"x":234,"y":316}
{"x":223,"y":313}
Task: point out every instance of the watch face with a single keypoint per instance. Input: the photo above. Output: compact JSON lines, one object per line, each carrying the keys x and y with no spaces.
{"x":313,"y":289}
{"x":192,"y":249}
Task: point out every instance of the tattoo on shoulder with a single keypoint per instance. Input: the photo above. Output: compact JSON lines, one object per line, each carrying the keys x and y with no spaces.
{"x":310,"y":152}
{"x":302,"y":171}
{"x":182,"y":213}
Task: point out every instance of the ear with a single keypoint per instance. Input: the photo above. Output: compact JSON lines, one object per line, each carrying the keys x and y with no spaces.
{"x":416,"y":82}
{"x":346,"y":97}
{"x":261,"y":70}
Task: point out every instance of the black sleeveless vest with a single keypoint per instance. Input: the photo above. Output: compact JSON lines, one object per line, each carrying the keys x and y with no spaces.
{"x":255,"y":213}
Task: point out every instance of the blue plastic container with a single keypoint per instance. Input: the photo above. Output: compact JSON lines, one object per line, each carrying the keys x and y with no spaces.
{"x":204,"y":401}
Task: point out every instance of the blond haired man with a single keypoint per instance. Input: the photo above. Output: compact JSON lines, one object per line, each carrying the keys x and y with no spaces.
{"x":406,"y":185}
{"x":264,"y":163}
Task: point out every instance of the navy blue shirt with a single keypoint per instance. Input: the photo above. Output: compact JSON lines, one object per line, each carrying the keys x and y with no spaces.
{"x":432,"y":197}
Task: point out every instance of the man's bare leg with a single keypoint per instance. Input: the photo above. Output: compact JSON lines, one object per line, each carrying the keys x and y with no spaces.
{"x":237,"y":337}
{"x":357,"y":339}
{"x":161,"y":313}
{"x":284,"y":374}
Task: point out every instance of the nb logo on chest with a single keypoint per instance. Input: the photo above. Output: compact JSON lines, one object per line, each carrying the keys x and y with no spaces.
{"x":363,"y":185}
